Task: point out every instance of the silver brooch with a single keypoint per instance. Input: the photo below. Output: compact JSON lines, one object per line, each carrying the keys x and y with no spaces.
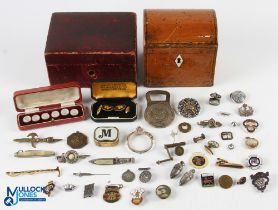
{"x":260,"y":180}
{"x":189,"y":107}
{"x":69,"y":187}
{"x":70,"y":156}
{"x":238,"y":96}
{"x":245,"y":110}
{"x":211,"y":123}
{"x":214,"y":99}
{"x":251,"y":125}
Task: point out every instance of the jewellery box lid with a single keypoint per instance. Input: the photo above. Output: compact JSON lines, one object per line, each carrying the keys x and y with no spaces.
{"x":184,"y":26}
{"x":101,"y":90}
{"x":92,"y":37}
{"x":49,"y":96}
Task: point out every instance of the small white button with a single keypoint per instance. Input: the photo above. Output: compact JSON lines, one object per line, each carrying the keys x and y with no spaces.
{"x":74,"y":112}
{"x":65,"y":112}
{"x":36,"y":118}
{"x":55,"y":114}
{"x":27,"y":119}
{"x":45,"y":116}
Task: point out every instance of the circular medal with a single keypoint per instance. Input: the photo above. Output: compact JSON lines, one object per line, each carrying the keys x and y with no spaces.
{"x":179,"y":151}
{"x":238,"y":96}
{"x":198,"y":160}
{"x":225,"y":181}
{"x":77,"y":140}
{"x":128,"y":176}
{"x":145,"y":176}
{"x":71,"y":156}
{"x":189,"y":107}
{"x":163,"y":191}
{"x":184,"y":127}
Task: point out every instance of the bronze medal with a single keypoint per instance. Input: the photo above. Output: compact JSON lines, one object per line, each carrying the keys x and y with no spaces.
{"x":225,"y":181}
{"x":77,"y":140}
{"x":163,"y":191}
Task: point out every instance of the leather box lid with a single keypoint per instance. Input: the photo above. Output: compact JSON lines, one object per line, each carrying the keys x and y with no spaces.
{"x":180,"y":27}
{"x":104,"y":90}
{"x":46,"y":97}
{"x":91,"y":37}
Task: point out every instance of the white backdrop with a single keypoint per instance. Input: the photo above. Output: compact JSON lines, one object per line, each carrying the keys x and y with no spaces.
{"x":247,"y":60}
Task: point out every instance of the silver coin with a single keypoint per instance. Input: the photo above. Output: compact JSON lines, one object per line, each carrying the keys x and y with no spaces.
{"x":128,"y":176}
{"x":145,"y":176}
{"x":36,"y":118}
{"x":64,"y":112}
{"x":74,"y":112}
{"x":45,"y":116}
{"x":238,"y":96}
{"x":55,"y":114}
{"x":26,"y":119}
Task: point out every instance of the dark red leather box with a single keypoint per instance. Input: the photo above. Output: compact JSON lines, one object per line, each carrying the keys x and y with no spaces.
{"x":51,"y":105}
{"x":91,"y":46}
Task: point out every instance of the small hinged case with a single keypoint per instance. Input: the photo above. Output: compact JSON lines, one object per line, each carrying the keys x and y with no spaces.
{"x":51,"y":105}
{"x":180,"y":47}
{"x":85,"y":47}
{"x":114,"y":101}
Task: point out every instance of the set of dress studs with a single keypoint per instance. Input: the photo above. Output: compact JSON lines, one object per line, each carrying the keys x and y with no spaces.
{"x":52,"y":115}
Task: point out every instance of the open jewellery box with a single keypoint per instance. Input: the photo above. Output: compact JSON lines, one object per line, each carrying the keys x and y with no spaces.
{"x":114,"y":101}
{"x":51,"y":105}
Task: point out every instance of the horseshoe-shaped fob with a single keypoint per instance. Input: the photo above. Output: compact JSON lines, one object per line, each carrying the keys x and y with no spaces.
{"x":159,"y":113}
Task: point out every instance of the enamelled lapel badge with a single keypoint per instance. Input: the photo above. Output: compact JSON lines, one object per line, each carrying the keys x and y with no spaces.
{"x":112,"y":193}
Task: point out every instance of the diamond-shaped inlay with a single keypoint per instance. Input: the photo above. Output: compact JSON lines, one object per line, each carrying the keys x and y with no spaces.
{"x":179,"y":61}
